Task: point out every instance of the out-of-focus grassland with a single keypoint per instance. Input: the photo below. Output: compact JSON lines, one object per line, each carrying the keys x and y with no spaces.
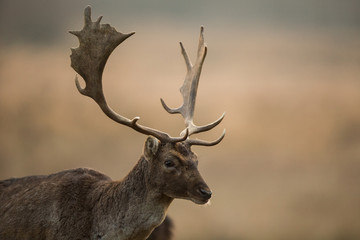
{"x":289,"y":166}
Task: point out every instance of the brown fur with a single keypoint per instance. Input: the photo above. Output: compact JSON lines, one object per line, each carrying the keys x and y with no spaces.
{"x":85,"y":204}
{"x":163,"y":232}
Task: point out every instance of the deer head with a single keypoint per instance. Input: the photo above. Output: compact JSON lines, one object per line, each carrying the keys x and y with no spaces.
{"x":173,"y":171}
{"x":172,"y":164}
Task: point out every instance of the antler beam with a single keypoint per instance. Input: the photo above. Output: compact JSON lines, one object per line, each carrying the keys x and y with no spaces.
{"x":97,"y":42}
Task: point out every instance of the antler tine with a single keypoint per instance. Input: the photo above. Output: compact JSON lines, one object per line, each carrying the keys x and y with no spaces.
{"x":206,"y":143}
{"x":97,"y":42}
{"x":189,"y":91}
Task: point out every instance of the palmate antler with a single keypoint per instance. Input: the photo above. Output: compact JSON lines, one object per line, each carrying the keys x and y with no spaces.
{"x":97,"y":42}
{"x":189,"y":91}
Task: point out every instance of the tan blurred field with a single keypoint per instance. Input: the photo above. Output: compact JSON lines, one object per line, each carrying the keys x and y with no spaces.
{"x":289,"y":166}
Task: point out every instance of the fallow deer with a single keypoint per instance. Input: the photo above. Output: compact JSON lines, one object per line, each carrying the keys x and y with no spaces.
{"x":85,"y":204}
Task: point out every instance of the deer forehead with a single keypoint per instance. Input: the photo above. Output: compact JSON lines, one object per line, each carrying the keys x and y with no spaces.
{"x":183,"y":153}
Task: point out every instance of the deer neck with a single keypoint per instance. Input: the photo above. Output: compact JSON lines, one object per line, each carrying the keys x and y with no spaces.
{"x":136,"y":199}
{"x":141,"y":187}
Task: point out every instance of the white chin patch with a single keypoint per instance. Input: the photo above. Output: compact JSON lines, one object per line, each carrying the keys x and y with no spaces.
{"x":208,"y":204}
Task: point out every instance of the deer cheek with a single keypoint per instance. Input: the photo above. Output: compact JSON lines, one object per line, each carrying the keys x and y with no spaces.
{"x":176,"y":185}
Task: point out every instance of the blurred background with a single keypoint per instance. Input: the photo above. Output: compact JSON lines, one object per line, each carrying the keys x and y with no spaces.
{"x":286,"y":72}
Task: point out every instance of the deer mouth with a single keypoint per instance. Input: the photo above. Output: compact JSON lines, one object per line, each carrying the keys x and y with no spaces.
{"x":199,"y":201}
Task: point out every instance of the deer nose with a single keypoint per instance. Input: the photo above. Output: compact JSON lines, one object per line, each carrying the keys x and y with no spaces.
{"x":205,"y":192}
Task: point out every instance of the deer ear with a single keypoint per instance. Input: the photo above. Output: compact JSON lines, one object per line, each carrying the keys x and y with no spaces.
{"x":151,"y":147}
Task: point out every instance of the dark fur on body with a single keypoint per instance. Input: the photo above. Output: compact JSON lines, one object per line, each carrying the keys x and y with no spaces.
{"x":42,"y":207}
{"x":164,"y":231}
{"x":85,"y":204}
{"x":72,"y":202}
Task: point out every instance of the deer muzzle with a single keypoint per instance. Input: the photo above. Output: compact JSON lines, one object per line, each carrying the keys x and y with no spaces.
{"x":201,"y":193}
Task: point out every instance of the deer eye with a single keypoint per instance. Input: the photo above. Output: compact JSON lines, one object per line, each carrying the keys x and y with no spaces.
{"x":169,"y":163}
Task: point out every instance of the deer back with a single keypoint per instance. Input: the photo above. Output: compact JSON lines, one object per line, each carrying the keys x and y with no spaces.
{"x":49,"y":207}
